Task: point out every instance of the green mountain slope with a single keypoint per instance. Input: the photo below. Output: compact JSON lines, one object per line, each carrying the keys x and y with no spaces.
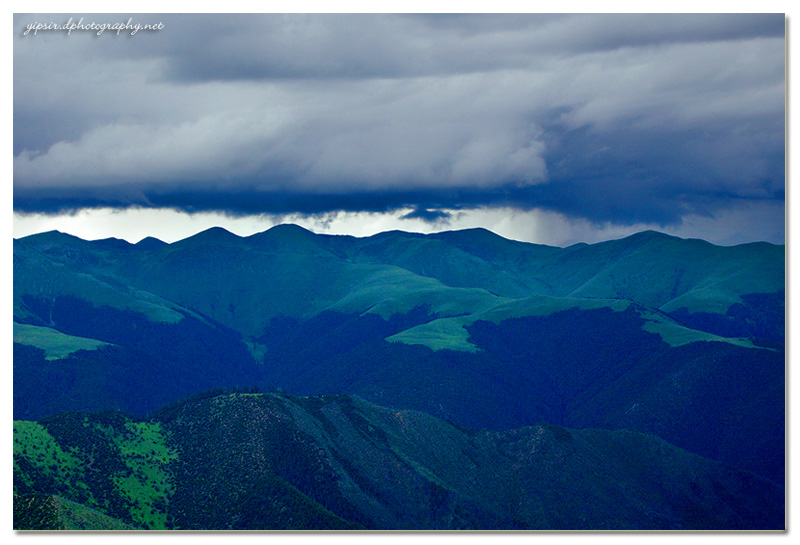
{"x":55,"y":265}
{"x":668,"y":273}
{"x":337,"y":462}
{"x":289,"y":270}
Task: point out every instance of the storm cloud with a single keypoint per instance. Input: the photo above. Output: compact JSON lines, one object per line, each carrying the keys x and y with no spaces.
{"x":610,"y":119}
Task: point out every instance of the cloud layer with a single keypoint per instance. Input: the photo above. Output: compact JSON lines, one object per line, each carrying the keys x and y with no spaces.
{"x":620,"y":119}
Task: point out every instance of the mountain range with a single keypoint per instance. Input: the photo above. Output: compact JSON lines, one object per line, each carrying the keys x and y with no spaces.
{"x":645,"y":374}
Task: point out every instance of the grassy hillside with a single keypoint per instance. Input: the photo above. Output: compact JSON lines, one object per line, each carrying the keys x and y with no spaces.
{"x":55,"y":344}
{"x":104,"y":461}
{"x":450,"y":332}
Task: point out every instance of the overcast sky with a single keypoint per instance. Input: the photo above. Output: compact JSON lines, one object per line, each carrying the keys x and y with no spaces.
{"x":548,"y":128}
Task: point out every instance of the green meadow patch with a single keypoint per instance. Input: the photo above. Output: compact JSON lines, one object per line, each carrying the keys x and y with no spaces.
{"x":56,"y":345}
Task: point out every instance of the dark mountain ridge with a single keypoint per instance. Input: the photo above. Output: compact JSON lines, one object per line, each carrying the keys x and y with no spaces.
{"x":284,"y":462}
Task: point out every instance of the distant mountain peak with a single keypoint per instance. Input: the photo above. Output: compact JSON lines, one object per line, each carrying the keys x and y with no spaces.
{"x":150,"y":243}
{"x":212,"y":235}
{"x":51,"y":237}
{"x":396,"y":233}
{"x":113,"y":242}
{"x":476,"y":233}
{"x":217,"y":231}
{"x":290,"y":238}
{"x":282,"y":230}
{"x":288,"y":228}
{"x":643,"y":237}
{"x":650,"y":233}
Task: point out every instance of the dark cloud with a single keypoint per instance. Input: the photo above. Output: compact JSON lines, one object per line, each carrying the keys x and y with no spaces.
{"x":430,"y":216}
{"x":584,"y":198}
{"x":358,"y":46}
{"x":625,"y":119}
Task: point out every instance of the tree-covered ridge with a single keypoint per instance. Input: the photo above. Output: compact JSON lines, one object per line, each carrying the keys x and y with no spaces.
{"x":272,"y":461}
